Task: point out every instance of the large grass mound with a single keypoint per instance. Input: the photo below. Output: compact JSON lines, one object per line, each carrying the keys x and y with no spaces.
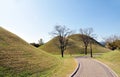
{"x":112,"y":59}
{"x":75,"y":46}
{"x":19,"y":59}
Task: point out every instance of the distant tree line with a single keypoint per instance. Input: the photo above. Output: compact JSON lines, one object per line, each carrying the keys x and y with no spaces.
{"x":40,"y":43}
{"x":113,"y":42}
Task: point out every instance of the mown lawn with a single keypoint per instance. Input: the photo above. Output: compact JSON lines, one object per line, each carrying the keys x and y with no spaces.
{"x":65,"y":68}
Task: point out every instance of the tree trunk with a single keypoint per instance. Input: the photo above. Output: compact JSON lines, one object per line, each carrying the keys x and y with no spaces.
{"x":62,"y":52}
{"x":91,"y":50}
{"x":85,"y":50}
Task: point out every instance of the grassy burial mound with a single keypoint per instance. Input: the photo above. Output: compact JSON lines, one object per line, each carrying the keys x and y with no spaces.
{"x":75,"y":46}
{"x":19,"y":59}
{"x":52,"y":46}
{"x":96,"y":46}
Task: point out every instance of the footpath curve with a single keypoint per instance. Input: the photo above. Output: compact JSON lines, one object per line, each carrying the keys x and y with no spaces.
{"x":92,"y":68}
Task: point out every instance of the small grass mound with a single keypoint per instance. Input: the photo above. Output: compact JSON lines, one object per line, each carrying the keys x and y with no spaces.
{"x":112,"y":59}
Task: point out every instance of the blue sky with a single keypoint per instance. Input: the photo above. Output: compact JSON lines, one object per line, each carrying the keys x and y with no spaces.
{"x":35,"y":19}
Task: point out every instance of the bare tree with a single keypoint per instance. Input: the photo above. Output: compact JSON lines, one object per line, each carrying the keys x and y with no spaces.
{"x":62,"y":32}
{"x":112,"y":42}
{"x":111,"y":38}
{"x":86,"y":36}
{"x":91,"y":42}
{"x":91,"y":38}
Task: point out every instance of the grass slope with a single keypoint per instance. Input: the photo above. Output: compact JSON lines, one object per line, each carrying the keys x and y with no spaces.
{"x":76,"y":46}
{"x":19,"y":59}
{"x":66,"y":67}
{"x":112,"y":59}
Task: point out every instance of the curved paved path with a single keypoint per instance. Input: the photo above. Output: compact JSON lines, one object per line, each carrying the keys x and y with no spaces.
{"x":92,"y":68}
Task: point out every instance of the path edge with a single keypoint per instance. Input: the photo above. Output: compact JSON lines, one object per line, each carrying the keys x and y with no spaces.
{"x":113,"y":72}
{"x":75,"y":71}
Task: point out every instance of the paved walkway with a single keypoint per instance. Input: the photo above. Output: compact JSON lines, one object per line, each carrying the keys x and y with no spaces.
{"x":92,"y":68}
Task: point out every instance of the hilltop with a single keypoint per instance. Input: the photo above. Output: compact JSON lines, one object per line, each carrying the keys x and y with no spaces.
{"x":75,"y":46}
{"x":19,"y":59}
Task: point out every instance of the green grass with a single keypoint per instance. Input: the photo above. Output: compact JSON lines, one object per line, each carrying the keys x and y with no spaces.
{"x":112,"y":59}
{"x":67,"y":66}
